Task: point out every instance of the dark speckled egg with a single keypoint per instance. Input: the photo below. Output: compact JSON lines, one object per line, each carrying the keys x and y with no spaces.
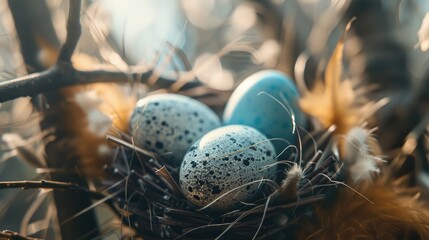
{"x":170,"y":123}
{"x":225,"y":159}
{"x":249,"y":106}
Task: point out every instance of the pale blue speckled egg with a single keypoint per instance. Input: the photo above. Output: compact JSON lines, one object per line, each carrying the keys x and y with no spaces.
{"x":225,"y":166}
{"x":249,"y":106}
{"x":170,"y":123}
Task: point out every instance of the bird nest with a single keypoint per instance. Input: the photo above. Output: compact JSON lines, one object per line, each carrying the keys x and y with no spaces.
{"x":146,"y":190}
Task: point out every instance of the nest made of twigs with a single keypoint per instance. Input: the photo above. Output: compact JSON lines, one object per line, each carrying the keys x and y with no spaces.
{"x":146,"y":191}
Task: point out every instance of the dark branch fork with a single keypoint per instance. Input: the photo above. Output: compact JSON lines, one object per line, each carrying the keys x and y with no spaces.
{"x":72,"y":200}
{"x":49,"y":79}
{"x":74,"y":31}
{"x":63,"y":74}
{"x":70,"y":194}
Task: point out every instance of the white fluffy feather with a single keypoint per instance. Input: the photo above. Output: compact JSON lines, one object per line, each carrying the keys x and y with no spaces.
{"x":98,"y":122}
{"x":361,"y":162}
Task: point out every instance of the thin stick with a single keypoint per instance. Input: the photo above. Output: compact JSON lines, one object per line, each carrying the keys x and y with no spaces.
{"x":57,"y":185}
{"x":9,"y":235}
{"x":43,"y":184}
{"x":48,"y":184}
{"x":74,"y":32}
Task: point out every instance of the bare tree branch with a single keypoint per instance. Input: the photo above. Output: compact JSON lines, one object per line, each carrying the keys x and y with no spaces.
{"x":74,"y":32}
{"x":63,"y":74}
{"x":9,"y":235}
{"x":60,"y":76}
{"x":29,"y":85}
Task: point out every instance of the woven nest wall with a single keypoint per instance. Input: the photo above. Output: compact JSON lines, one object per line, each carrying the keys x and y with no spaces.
{"x":157,"y":208}
{"x":356,"y":167}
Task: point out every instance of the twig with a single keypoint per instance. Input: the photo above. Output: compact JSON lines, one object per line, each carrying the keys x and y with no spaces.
{"x":9,"y":235}
{"x":48,"y":184}
{"x":62,"y":76}
{"x":56,"y":185}
{"x":74,"y":32}
{"x":43,"y":184}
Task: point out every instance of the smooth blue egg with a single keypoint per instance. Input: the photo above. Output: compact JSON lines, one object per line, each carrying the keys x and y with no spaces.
{"x":257,"y":102}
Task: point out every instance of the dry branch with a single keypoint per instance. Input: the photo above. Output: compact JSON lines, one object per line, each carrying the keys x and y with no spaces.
{"x":74,"y":31}
{"x":43,"y":184}
{"x":9,"y":235}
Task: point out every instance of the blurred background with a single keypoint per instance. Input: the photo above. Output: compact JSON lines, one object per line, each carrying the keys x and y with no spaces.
{"x":218,"y":42}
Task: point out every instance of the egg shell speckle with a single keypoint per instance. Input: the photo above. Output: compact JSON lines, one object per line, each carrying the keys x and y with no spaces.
{"x":222,"y":160}
{"x":170,"y":123}
{"x":248,"y":106}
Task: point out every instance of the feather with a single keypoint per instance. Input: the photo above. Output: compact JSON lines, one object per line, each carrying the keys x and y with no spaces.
{"x":393,"y":213}
{"x":92,"y":112}
{"x":381,"y":209}
{"x":341,"y":104}
{"x":334,"y":97}
{"x":358,"y":155}
{"x":86,"y":114}
{"x":289,"y":186}
{"x":337,"y":102}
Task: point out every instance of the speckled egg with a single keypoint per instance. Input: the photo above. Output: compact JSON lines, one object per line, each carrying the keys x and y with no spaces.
{"x":249,"y":106}
{"x":222,"y":160}
{"x":170,"y":123}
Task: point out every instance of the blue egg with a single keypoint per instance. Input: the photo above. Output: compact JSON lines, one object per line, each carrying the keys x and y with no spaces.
{"x":254,"y":103}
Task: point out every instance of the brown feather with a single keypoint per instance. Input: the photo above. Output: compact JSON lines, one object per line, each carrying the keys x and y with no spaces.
{"x":393,"y":213}
{"x":337,"y":102}
{"x":91,"y":149}
{"x":334,"y":98}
